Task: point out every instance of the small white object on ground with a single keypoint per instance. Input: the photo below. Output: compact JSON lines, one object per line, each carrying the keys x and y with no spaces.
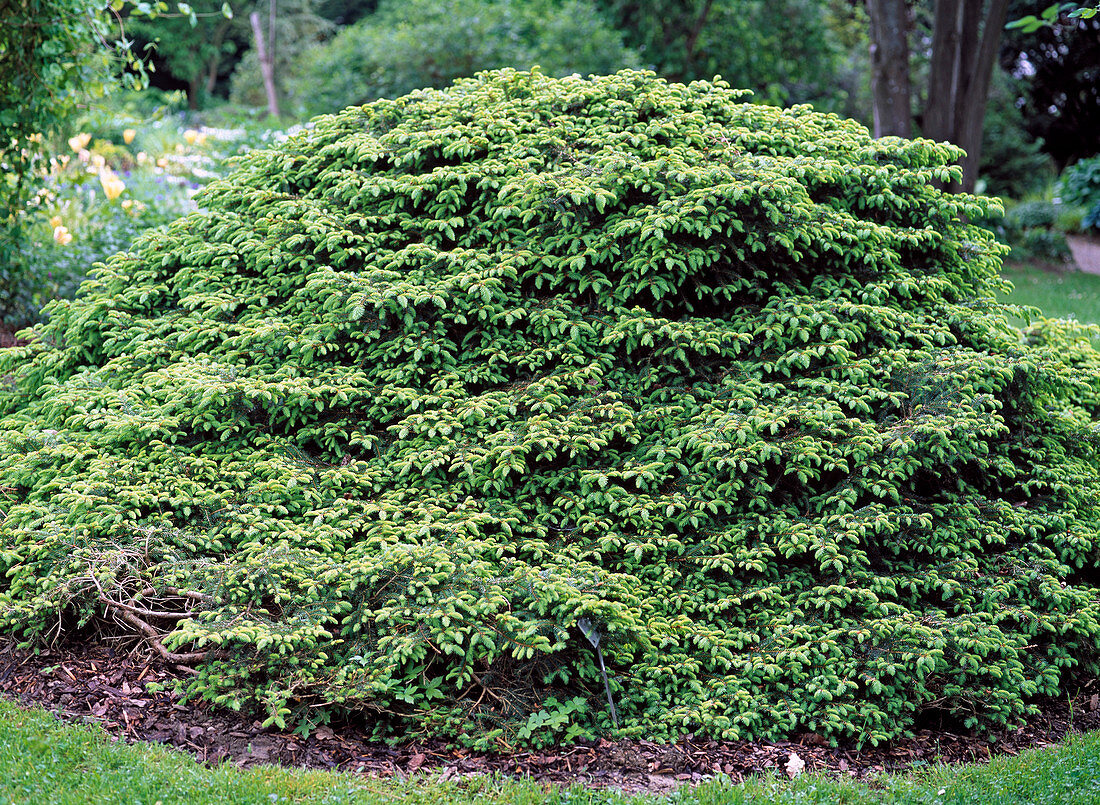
{"x":795,"y":765}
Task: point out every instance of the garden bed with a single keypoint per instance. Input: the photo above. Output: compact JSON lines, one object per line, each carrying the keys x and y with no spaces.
{"x":92,"y":682}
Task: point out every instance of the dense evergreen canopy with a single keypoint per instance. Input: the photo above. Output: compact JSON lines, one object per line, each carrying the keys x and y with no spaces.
{"x":437,"y":379}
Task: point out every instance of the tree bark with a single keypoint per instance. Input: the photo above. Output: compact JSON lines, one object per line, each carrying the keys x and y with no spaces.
{"x":271,"y":34}
{"x":966,"y":36}
{"x":964,"y":53}
{"x":937,"y":122}
{"x":267,"y":65}
{"x":215,"y":60}
{"x":890,"y":85}
{"x":971,"y":111}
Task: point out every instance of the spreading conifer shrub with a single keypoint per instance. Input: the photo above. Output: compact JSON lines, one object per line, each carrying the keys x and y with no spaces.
{"x":438,"y":394}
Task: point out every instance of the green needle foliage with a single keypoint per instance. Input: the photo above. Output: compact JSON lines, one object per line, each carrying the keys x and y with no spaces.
{"x":439,"y":377}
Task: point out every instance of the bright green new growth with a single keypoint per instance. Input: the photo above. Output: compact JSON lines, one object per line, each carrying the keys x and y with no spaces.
{"x":442,"y":376}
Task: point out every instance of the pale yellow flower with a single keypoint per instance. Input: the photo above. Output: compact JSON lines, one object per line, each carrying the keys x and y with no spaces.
{"x":142,"y":157}
{"x":80,"y":141}
{"x":127,"y":204}
{"x":162,"y":162}
{"x":55,"y":222}
{"x":62,"y":235}
{"x":190,"y":135}
{"x":112,"y":185}
{"x":98,"y":160}
{"x":128,"y":136}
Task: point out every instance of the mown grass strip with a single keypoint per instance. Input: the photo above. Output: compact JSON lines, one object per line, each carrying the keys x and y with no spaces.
{"x":45,"y":761}
{"x":1070,"y":294}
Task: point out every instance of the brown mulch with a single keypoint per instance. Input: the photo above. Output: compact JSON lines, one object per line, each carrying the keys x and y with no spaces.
{"x":8,"y":339}
{"x":93,"y":682}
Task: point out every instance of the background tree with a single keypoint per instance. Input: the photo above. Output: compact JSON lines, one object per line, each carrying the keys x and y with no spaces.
{"x":345,"y":12}
{"x":965,"y":42}
{"x":298,"y":27}
{"x":890,"y":23}
{"x":1057,"y":70}
{"x":196,"y":57}
{"x":962,"y":52}
{"x":787,"y":52}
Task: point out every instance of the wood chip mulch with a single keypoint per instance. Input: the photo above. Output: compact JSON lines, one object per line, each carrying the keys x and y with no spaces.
{"x":94,"y":683}
{"x":8,"y":339}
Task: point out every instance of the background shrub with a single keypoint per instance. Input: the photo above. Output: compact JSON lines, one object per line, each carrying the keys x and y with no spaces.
{"x":1032,"y":229}
{"x":438,"y":381}
{"x":1080,"y":185}
{"x":21,"y":287}
{"x":786,"y":51}
{"x":409,"y":44}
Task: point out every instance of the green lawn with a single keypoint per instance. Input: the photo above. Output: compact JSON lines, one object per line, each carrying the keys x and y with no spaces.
{"x":1069,"y":294}
{"x":44,"y":761}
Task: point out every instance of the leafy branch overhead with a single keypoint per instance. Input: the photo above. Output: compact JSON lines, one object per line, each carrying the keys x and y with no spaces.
{"x":1049,"y":16}
{"x":443,"y":384}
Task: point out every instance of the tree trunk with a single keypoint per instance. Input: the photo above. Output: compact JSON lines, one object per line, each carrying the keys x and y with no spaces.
{"x":271,"y":36}
{"x":693,"y":34}
{"x":964,"y":53}
{"x":890,"y":86}
{"x":971,"y":112}
{"x":267,"y":65}
{"x":215,"y":60}
{"x":938,"y":120}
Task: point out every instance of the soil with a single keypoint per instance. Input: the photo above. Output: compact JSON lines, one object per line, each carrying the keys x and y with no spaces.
{"x":93,"y":682}
{"x":8,"y":339}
